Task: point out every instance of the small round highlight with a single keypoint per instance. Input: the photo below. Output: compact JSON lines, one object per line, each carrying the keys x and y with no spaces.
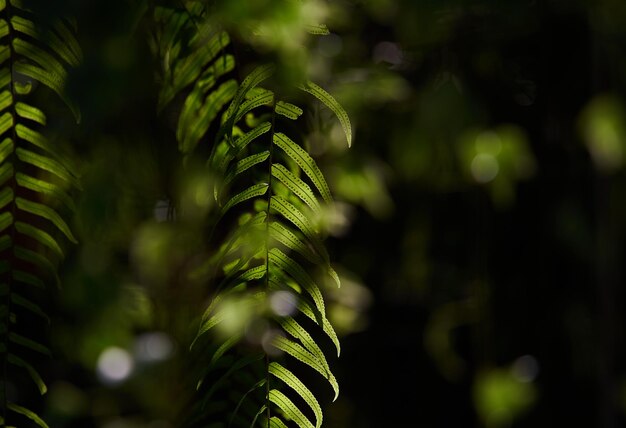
{"x":153,"y":347}
{"x":114,"y":365}
{"x":485,"y":168}
{"x":283,"y":303}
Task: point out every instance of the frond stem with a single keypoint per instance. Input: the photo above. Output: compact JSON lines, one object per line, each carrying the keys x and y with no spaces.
{"x":13,"y":185}
{"x":267,"y":249}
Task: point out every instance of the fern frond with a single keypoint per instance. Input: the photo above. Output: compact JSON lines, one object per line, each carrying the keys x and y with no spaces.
{"x":36,"y":181}
{"x":280,"y":186}
{"x":329,"y":101}
{"x":271,"y":192}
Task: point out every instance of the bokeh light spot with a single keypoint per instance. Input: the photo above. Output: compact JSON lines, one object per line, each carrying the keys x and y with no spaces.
{"x":283,"y":303}
{"x":153,"y":347}
{"x":484,"y":167}
{"x":114,"y":365}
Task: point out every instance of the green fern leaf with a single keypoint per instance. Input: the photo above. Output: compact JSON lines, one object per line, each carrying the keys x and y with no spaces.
{"x":329,"y":101}
{"x":296,"y":271}
{"x":308,"y":310}
{"x":192,"y":127}
{"x":318,"y":29}
{"x":305,"y":162}
{"x":39,"y":235}
{"x":297,"y":186}
{"x":244,"y":165}
{"x":251,"y":192}
{"x":291,"y":411}
{"x":189,"y":69}
{"x":47,"y":164}
{"x":45,"y":188}
{"x":263,"y":99}
{"x":275,"y":422}
{"x":31,"y":113}
{"x":17,"y":361}
{"x":66,"y":48}
{"x":299,"y":353}
{"x":28,"y":413}
{"x":294,"y":383}
{"x":258,"y":413}
{"x":301,"y":221}
{"x":27,"y":304}
{"x":256,"y":77}
{"x":47,"y":213}
{"x":29,"y":343}
{"x":290,"y":111}
{"x":289,"y":239}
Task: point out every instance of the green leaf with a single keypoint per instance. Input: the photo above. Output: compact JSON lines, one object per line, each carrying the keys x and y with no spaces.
{"x":253,"y":79}
{"x":258,"y":413}
{"x":298,"y":352}
{"x":47,"y":164}
{"x":251,"y":192}
{"x":332,"y":104}
{"x":27,"y":278}
{"x":40,"y":236}
{"x":48,"y":71}
{"x":4,"y":27}
{"x":6,"y":99}
{"x":302,"y":223}
{"x":228,"y":344}
{"x":6,"y":122}
{"x":190,"y":68}
{"x":305,"y":162}
{"x":297,"y":186}
{"x":288,"y":110}
{"x":28,"y":343}
{"x":275,"y":422}
{"x":243,"y":398}
{"x":240,"y":144}
{"x":193,"y":123}
{"x":26,"y":111}
{"x":245,"y":164}
{"x":17,"y":361}
{"x":68,"y":39}
{"x":290,"y":379}
{"x":318,"y":29}
{"x":51,"y":39}
{"x":291,"y":267}
{"x":291,"y":410}
{"x":6,"y":220}
{"x":290,"y":240}
{"x":29,"y":414}
{"x":297,"y":331}
{"x":308,"y":309}
{"x":220,"y":315}
{"x":5,"y":242}
{"x":27,"y":304}
{"x":236,"y":367}
{"x":45,"y":188}
{"x":6,"y":172}
{"x":35,"y":259}
{"x":47,"y":213}
{"x":6,"y":148}
{"x":263,"y":99}
{"x":6,"y":197}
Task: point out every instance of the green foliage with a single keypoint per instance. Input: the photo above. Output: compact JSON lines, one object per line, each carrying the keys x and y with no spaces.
{"x":266,"y":323}
{"x":37,"y":180}
{"x":263,"y":197}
